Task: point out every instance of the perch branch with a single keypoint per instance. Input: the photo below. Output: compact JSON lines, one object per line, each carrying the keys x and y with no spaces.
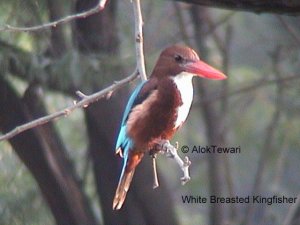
{"x":100,"y":6}
{"x":139,"y":39}
{"x":140,"y":61}
{"x":84,"y":102}
{"x":164,"y":147}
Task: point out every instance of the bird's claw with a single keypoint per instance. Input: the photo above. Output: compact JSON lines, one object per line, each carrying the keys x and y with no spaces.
{"x":184,"y":180}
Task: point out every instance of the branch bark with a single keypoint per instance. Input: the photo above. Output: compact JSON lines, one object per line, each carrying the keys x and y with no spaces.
{"x":100,"y":6}
{"x":94,"y":97}
{"x":84,"y":102}
{"x":139,"y":39}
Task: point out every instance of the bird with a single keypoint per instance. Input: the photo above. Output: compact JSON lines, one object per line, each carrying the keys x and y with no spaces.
{"x":157,"y":108}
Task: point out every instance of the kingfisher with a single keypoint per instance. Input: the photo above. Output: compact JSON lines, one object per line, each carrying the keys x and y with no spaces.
{"x":157,"y":108}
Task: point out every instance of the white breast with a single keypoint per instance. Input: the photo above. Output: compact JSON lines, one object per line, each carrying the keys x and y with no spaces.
{"x":184,"y":84}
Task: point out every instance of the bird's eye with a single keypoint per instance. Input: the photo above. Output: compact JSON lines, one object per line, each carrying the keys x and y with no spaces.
{"x":178,"y":58}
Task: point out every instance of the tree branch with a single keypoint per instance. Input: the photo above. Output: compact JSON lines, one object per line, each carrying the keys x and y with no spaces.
{"x":139,"y":39}
{"x":87,"y":99}
{"x":84,"y":102}
{"x":164,"y":147}
{"x":100,"y":6}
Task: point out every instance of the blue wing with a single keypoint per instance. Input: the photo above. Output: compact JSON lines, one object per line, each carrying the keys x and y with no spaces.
{"x":123,"y":141}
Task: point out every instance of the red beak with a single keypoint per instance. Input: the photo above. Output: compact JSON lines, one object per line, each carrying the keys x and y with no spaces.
{"x":204,"y":70}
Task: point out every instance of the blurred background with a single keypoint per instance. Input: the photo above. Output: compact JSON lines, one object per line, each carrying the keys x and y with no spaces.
{"x":66,"y":172}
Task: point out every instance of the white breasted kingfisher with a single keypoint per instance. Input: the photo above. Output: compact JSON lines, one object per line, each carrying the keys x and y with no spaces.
{"x":157,"y":108}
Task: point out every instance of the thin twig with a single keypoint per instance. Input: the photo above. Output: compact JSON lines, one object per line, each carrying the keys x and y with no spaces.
{"x":100,"y":6}
{"x":84,"y":102}
{"x":139,"y":39}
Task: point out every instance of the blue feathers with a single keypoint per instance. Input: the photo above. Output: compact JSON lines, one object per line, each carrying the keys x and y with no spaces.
{"x":123,"y":141}
{"x":131,"y":101}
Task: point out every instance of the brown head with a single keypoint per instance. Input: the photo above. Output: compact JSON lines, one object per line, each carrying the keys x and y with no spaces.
{"x":178,"y":58}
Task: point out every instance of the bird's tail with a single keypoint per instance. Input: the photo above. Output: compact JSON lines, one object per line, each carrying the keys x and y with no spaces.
{"x":125,"y":179}
{"x":122,"y":189}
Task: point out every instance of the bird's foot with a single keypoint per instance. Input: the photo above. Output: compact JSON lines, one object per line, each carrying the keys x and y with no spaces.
{"x":160,"y":146}
{"x":164,"y":147}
